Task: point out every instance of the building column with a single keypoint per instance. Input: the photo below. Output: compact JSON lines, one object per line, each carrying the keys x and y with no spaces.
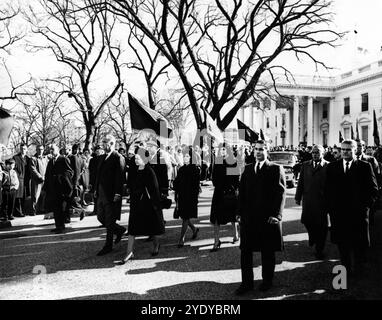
{"x":333,"y":134}
{"x":272,"y":122}
{"x":309,"y":126}
{"x":295,"y":129}
{"x":287,"y":128}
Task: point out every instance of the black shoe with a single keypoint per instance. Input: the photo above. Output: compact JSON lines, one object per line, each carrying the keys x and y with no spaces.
{"x":319,"y":255}
{"x":180,"y":245}
{"x":67,"y":220}
{"x":11,"y":218}
{"x":150,"y":238}
{"x":104,"y":250}
{"x":155,"y":252}
{"x":32,"y":214}
{"x":234,"y":240}
{"x":243,"y":289}
{"x":59,"y":231}
{"x":195,"y":234}
{"x":82,"y":215}
{"x":129,"y":257}
{"x":216,"y":246}
{"x":55,"y":230}
{"x":265,"y":286}
{"x":119,"y":236}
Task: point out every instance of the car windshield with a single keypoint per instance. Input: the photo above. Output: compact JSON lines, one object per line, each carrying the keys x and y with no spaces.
{"x":281,"y":157}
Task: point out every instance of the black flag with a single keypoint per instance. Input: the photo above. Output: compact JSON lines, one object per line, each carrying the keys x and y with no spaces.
{"x":341,"y":137}
{"x":262,"y":137}
{"x":249,"y":135}
{"x":145,"y":118}
{"x":6,"y":125}
{"x":375,"y":131}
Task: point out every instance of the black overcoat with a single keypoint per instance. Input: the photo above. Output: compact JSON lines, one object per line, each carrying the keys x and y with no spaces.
{"x":349,"y":199}
{"x":261,"y":196}
{"x":310,"y":189}
{"x":146,"y":216}
{"x":186,"y":186}
{"x":22,"y":168}
{"x":110,"y":175}
{"x":58,"y":182}
{"x":225,"y":176}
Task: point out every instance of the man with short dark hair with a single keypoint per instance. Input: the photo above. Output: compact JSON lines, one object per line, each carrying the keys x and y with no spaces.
{"x":336,"y":153}
{"x":351,"y":189}
{"x":261,"y":202}
{"x":360,"y":154}
{"x":58,"y":187}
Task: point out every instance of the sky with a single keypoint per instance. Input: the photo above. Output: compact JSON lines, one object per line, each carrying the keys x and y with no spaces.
{"x":363,"y":16}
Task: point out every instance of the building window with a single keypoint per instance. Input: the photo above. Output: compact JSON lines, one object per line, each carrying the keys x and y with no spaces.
{"x":276,"y":121}
{"x":365,"y":102}
{"x":346,"y":133}
{"x":267,"y":123}
{"x":347,"y":106}
{"x":325,"y":111}
{"x":283,"y":119}
{"x":365,"y":134}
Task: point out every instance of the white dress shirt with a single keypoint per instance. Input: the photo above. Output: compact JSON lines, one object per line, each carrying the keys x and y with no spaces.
{"x":344,"y":164}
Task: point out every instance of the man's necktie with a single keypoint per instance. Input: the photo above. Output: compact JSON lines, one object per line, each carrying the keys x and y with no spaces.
{"x":258,"y":167}
{"x":347,"y":167}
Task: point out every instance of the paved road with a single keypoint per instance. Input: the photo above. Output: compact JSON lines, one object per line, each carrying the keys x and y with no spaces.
{"x":35,"y":264}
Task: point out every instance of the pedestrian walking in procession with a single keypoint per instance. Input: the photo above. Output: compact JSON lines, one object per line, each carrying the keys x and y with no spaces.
{"x":261,"y":203}
{"x":310,"y":189}
{"x":351,"y":190}
{"x":146,"y":216}
{"x":186,"y":186}
{"x":108,"y":193}
{"x":225,"y":178}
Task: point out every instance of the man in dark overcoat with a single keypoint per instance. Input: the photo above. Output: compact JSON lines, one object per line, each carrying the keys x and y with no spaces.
{"x":22,"y":165}
{"x":78,"y":166}
{"x":351,"y":189}
{"x":310,"y":189}
{"x":360,"y":154}
{"x":108,"y":192}
{"x":58,"y":187}
{"x":261,"y":202}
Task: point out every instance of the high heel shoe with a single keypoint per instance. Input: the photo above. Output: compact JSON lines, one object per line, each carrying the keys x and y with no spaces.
{"x":234,"y":240}
{"x":129,"y":257}
{"x":195,"y":234}
{"x":216,"y":247}
{"x":155,"y":252}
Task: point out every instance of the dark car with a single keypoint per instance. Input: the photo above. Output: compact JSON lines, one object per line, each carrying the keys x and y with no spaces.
{"x":288,"y":160}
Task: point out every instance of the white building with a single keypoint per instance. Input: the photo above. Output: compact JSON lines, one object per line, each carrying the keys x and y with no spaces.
{"x":323,"y":107}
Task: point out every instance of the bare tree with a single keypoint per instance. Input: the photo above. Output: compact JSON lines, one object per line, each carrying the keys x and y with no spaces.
{"x":177,"y":111}
{"x":44,"y":114}
{"x":82,"y":41}
{"x":232,"y":46}
{"x":8,"y":37}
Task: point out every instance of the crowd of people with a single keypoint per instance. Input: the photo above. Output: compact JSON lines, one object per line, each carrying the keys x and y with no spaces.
{"x":338,"y":188}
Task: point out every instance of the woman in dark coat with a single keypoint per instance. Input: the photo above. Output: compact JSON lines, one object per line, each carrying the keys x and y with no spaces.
{"x":186,"y":186}
{"x":225,"y":178}
{"x":146,"y":216}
